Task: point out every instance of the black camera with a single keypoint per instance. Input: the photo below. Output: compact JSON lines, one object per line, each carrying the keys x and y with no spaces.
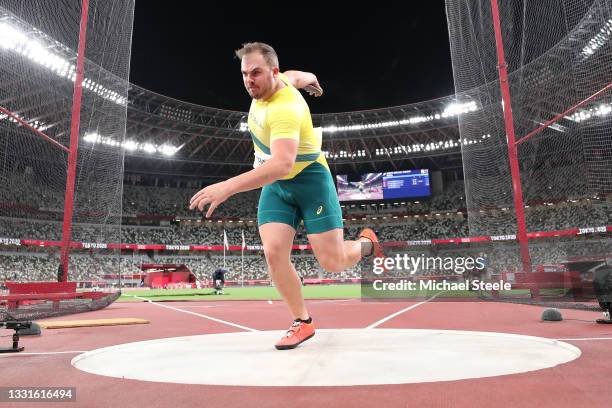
{"x":16,"y":325}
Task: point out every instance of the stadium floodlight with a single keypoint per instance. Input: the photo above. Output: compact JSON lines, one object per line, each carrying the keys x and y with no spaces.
{"x":604,"y":109}
{"x":601,"y":110}
{"x":130,"y":145}
{"x":13,"y":39}
{"x":149,"y":148}
{"x":10,"y":37}
{"x":455,"y":109}
{"x":167,"y":150}
{"x":432,"y":146}
{"x":36,"y":124}
{"x":92,"y":137}
{"x":599,"y":40}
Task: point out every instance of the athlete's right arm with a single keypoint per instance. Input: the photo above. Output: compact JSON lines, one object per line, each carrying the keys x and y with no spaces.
{"x":305,"y":80}
{"x":284,"y":121}
{"x":284,"y":152}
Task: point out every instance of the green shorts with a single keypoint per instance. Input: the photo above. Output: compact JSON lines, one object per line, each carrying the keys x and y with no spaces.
{"x":310,"y":197}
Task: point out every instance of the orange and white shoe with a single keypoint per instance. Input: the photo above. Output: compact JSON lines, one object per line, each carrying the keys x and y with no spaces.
{"x":298,"y":333}
{"x":377,"y":250}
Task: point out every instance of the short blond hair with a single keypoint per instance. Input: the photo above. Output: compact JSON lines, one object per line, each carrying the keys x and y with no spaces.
{"x":264,"y":49}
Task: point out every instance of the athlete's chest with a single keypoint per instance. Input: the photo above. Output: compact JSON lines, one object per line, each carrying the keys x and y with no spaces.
{"x":257,"y":119}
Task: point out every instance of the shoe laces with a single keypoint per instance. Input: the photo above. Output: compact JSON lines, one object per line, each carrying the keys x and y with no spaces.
{"x":295,"y":327}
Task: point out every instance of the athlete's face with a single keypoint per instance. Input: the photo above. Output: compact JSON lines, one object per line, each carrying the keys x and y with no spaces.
{"x":258,"y":76}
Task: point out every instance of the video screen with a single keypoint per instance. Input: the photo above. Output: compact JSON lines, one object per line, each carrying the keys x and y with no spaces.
{"x":368,"y":186}
{"x":379,"y":186}
{"x":406,"y":184}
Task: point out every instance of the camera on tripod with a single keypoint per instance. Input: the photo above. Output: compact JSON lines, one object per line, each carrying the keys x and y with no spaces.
{"x":16,"y":325}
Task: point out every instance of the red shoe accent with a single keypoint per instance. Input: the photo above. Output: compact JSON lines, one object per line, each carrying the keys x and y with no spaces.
{"x":370,"y":235}
{"x":298,"y":333}
{"x":377,"y":249}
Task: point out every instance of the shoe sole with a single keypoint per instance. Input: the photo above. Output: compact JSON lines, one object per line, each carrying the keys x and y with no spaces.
{"x":292,"y":346}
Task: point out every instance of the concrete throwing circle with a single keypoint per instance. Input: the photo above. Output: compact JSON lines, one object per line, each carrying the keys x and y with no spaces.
{"x":331,"y":358}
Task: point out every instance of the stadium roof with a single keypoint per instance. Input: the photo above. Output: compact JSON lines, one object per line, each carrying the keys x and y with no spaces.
{"x":165,"y":136}
{"x":214,"y":143}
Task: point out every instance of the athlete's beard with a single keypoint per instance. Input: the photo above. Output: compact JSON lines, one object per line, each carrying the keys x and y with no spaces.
{"x":258,"y":92}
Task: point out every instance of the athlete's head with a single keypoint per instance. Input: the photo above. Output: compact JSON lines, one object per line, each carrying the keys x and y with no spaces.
{"x":259,"y":66}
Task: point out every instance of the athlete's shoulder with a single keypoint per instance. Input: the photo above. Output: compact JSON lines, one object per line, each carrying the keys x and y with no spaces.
{"x":285,"y":79}
{"x":287,"y":99}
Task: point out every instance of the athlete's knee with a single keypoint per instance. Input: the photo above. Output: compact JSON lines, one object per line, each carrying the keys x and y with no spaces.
{"x":276,"y":252}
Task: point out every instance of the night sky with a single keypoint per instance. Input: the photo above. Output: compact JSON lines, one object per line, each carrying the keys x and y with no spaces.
{"x":372,"y":56}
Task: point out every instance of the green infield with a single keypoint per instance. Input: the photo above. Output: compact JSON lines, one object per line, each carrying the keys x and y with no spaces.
{"x":345,"y":291}
{"x":238,"y":293}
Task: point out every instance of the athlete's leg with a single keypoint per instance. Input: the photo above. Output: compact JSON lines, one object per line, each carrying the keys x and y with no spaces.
{"x":277,"y":239}
{"x":334,"y":253}
{"x":320,"y":209}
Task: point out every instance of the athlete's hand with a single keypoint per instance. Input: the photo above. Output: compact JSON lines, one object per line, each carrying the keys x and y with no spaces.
{"x":215,"y":194}
{"x":314,"y":88}
{"x":306,"y":81}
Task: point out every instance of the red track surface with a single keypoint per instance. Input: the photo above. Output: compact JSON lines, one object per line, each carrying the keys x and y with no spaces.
{"x":584,"y":382}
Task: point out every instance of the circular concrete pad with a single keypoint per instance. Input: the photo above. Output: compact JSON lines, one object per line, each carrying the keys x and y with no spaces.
{"x":332,"y":357}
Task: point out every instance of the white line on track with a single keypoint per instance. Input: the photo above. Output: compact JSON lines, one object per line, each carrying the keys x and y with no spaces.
{"x":200,"y":307}
{"x":42,"y":353}
{"x":197,"y":314}
{"x":586,"y":339}
{"x":391,"y":316}
{"x":330,"y":301}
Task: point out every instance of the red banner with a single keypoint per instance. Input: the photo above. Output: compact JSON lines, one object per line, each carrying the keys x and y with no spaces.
{"x":162,"y":247}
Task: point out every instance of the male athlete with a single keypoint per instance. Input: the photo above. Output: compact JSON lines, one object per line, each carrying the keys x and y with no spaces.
{"x":361,"y":186}
{"x":296,"y":180}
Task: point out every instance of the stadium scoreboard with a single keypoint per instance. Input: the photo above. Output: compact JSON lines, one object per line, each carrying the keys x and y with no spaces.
{"x":383,"y":186}
{"x":406,"y":184}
